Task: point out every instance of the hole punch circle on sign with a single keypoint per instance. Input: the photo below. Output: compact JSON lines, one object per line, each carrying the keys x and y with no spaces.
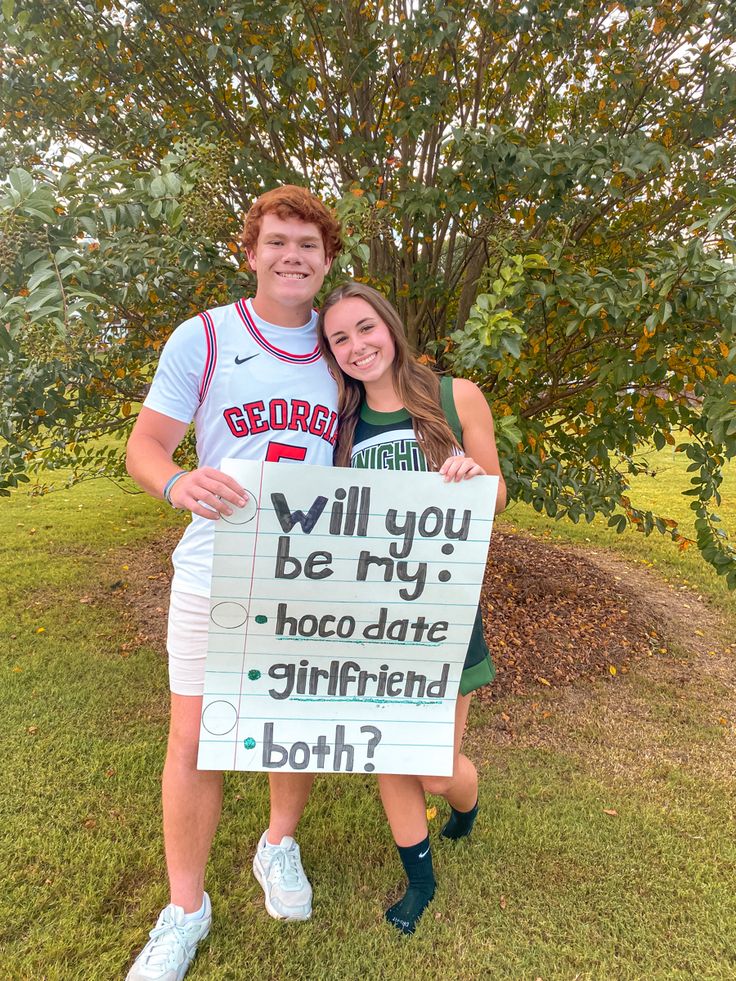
{"x":229,"y":615}
{"x":219,"y":718}
{"x":241,"y":516}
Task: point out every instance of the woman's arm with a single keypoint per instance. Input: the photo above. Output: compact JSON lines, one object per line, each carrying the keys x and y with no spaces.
{"x":479,"y":441}
{"x":152,"y":442}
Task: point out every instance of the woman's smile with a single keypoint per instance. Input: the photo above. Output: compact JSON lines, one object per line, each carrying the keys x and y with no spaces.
{"x":367,"y":360}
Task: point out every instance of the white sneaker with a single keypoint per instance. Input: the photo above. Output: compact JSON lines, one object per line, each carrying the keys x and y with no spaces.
{"x":279,"y":870}
{"x":173,"y":944}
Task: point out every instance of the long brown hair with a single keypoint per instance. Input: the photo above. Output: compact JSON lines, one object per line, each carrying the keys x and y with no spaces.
{"x":417,"y":387}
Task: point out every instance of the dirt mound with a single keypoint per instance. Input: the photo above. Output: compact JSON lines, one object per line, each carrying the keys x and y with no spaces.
{"x":551,"y":614}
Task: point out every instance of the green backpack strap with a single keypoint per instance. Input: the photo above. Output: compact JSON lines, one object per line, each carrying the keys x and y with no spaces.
{"x":448,"y":407}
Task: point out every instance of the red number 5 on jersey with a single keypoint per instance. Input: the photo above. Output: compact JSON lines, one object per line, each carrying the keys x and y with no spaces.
{"x":281,"y":451}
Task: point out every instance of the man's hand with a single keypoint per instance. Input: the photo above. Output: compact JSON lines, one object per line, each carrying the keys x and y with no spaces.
{"x":208,"y":493}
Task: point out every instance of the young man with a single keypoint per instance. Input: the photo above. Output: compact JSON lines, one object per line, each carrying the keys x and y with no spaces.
{"x":251,"y":377}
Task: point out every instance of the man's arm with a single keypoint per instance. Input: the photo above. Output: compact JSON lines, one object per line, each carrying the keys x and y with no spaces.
{"x":149,"y":461}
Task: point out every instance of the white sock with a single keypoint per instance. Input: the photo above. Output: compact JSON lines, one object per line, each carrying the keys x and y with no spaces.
{"x":196,"y":915}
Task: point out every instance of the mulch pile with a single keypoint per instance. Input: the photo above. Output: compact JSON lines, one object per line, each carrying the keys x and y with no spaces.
{"x":551,"y":615}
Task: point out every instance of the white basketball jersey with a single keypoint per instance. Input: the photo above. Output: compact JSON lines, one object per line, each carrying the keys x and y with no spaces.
{"x":255,"y":391}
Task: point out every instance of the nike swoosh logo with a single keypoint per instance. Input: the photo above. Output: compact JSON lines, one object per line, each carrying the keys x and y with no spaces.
{"x":243,"y":360}
{"x":422,"y":854}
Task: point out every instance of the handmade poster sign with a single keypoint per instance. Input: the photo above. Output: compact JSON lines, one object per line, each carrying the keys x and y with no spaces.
{"x":342,"y":605}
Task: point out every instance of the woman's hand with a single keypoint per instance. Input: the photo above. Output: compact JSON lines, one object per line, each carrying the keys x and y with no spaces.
{"x":207,"y":492}
{"x":461,"y":468}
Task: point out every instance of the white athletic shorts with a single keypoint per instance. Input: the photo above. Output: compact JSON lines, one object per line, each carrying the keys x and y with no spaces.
{"x":186,"y":642}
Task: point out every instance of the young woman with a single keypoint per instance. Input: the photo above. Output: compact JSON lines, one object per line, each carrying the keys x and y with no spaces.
{"x":387,"y":399}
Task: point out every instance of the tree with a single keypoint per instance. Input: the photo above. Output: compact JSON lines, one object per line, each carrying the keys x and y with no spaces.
{"x":544,"y":189}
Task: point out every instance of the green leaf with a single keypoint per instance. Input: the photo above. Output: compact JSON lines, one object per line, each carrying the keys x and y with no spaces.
{"x":41,"y":276}
{"x":158,"y":187}
{"x":21,"y":181}
{"x":40,"y":298}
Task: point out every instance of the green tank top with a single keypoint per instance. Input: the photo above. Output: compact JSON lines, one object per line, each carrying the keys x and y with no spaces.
{"x":386,"y":441}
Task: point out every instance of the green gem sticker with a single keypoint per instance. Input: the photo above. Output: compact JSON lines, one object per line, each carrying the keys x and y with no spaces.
{"x":261,"y":619}
{"x":254,"y":675}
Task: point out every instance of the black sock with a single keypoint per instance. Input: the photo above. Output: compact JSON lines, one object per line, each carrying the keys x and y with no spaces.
{"x":417,"y":862}
{"x":460,"y":823}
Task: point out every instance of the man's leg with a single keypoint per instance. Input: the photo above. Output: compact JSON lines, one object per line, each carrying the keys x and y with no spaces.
{"x":191,"y":803}
{"x":192,"y":800}
{"x":289,"y":795}
{"x":277,"y":863}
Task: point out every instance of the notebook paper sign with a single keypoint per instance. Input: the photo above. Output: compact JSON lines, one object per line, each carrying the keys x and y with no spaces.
{"x":342,"y":606}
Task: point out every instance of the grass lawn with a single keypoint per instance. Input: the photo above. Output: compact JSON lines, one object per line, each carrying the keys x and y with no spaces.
{"x":662,"y":494}
{"x":604,"y":849}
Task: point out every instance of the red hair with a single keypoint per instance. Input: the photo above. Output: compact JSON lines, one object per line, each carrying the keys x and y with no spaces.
{"x":290,"y":201}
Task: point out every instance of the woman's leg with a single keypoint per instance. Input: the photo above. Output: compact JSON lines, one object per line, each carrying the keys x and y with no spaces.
{"x":403,"y":801}
{"x":405,"y":807}
{"x":461,"y":789}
